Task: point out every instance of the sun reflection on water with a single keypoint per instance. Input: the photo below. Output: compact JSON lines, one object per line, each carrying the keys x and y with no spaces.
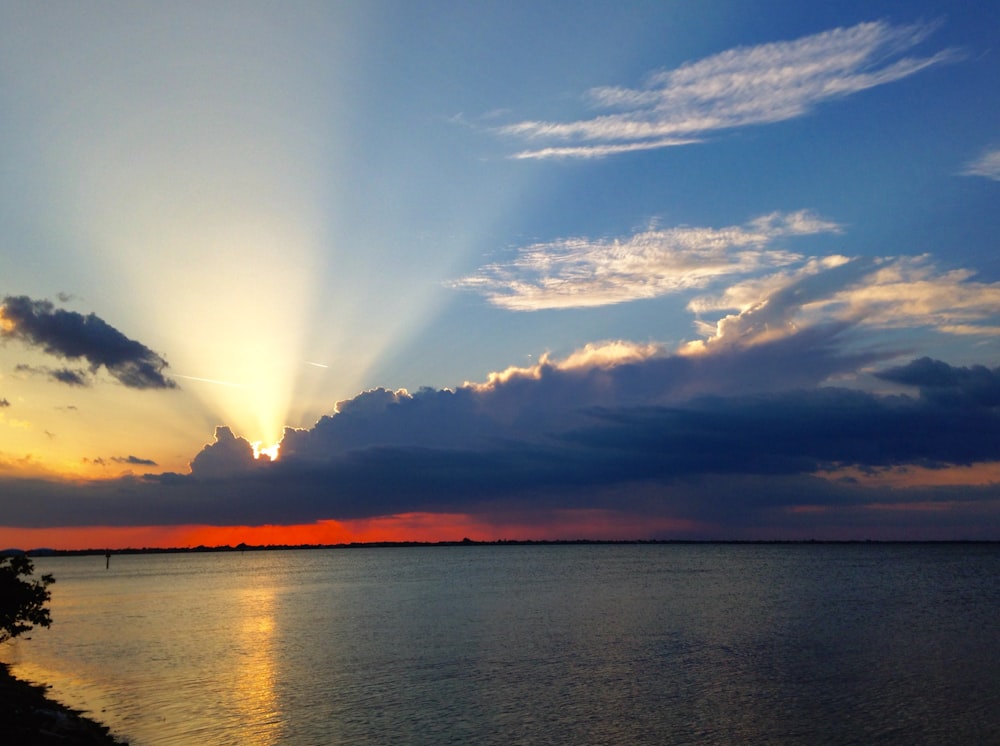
{"x":254,"y":683}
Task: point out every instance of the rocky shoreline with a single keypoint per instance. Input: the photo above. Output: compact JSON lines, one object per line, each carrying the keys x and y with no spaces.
{"x":29,"y":718}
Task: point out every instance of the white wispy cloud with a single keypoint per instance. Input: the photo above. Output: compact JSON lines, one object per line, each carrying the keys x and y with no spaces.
{"x":906,"y":292}
{"x":585,"y":272}
{"x":988,"y":165}
{"x":600,"y":151}
{"x":736,"y":88}
{"x":912,"y":292}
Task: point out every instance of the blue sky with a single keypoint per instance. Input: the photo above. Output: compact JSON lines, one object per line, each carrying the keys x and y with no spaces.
{"x":277,"y":208}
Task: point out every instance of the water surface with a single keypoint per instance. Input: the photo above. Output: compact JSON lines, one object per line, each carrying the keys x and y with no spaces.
{"x":605,"y":644}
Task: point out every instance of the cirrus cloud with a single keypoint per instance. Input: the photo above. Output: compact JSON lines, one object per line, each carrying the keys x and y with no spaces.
{"x":583,"y":272}
{"x":740,"y":87}
{"x":987,"y":164}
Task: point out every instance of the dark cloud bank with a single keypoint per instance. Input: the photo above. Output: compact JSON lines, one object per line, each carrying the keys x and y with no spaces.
{"x":648,"y":438}
{"x":73,"y":336}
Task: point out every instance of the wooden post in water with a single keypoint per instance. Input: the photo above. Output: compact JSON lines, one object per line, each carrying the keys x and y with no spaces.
{"x":107,"y":559}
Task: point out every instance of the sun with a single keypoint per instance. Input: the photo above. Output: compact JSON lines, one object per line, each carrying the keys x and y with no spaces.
{"x":270,"y":451}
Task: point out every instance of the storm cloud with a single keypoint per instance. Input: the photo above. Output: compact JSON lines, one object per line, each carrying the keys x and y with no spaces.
{"x":73,"y":336}
{"x":975,"y":386}
{"x":652,"y":436}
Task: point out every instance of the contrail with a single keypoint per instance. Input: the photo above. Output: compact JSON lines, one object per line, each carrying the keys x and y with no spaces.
{"x":211,"y":380}
{"x":318,"y":365}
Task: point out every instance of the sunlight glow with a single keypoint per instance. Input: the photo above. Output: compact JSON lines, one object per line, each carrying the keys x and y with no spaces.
{"x":270,"y":451}
{"x":241,"y":365}
{"x":224,"y":192}
{"x":567,"y":524}
{"x":6,"y":325}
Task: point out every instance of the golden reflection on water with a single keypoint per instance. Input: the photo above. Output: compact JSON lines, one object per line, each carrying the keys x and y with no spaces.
{"x":254,"y":687}
{"x":165,"y":650}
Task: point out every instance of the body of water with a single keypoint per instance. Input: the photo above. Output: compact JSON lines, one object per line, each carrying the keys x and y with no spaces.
{"x":580,"y":644}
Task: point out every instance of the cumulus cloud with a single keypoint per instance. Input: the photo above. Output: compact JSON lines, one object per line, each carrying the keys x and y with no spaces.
{"x":589,"y":421}
{"x":583,"y":272}
{"x":553,"y":402}
{"x":656,"y":417}
{"x":886,"y":293}
{"x":72,"y":336}
{"x":740,"y":87}
{"x":776,"y":313}
{"x":988,"y":165}
{"x":536,"y":403}
{"x":741,"y":435}
{"x":228,"y":455}
{"x":747,"y":432}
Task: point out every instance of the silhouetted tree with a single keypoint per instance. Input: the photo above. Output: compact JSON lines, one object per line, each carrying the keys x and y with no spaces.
{"x":22,"y":600}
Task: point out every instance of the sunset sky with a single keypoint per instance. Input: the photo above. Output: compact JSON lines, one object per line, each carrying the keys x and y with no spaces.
{"x":498,"y":270}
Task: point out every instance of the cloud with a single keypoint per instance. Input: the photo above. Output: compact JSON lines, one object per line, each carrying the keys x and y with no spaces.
{"x":531,"y":404}
{"x":582,"y":272}
{"x":72,"y":336}
{"x":739,"y":87}
{"x":602,"y":151}
{"x":799,"y":432}
{"x":620,"y":390}
{"x":656,"y":416}
{"x":988,"y":165}
{"x":977,"y":386}
{"x":720,"y":462}
{"x":912,"y":291}
{"x":227,"y":455}
{"x":770,"y":290}
{"x":624,"y":428}
{"x":885,"y":293}
{"x":68,"y":376}
{"x":775,"y":314}
{"x":133,"y":460}
{"x":71,"y":377}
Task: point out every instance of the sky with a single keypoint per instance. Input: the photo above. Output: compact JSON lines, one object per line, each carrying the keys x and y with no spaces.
{"x":283,"y":273}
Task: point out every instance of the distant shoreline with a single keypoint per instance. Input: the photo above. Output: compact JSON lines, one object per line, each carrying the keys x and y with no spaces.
{"x":47,"y":552}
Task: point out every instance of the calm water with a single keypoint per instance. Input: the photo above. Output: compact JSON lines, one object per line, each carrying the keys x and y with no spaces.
{"x":701,"y":644}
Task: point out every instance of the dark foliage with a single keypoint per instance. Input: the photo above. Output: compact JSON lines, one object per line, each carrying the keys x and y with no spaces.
{"x":22,"y":599}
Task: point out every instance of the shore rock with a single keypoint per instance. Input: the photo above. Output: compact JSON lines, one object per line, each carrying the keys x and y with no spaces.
{"x":29,"y":718}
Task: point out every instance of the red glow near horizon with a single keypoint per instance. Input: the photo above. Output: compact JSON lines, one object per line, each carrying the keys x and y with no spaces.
{"x":423,"y":527}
